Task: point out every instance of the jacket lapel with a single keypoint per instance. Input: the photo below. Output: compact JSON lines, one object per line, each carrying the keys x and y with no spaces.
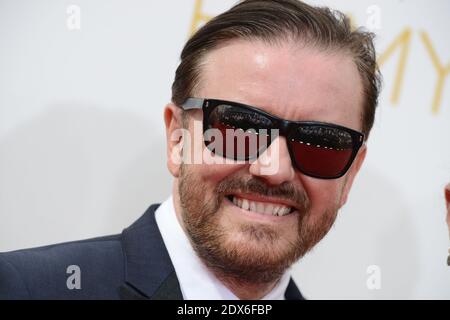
{"x":149,"y":273}
{"x":292,"y":292}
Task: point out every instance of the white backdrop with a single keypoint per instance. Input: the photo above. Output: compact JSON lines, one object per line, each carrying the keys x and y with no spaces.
{"x":82,"y":144}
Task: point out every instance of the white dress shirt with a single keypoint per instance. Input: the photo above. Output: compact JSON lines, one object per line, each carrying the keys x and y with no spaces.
{"x":196,"y":280}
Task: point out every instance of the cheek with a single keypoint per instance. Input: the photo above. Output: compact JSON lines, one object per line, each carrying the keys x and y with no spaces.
{"x":208,"y":167}
{"x":211,"y":174}
{"x":323,"y":194}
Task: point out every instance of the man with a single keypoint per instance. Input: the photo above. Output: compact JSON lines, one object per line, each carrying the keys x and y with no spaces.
{"x":300,"y":88}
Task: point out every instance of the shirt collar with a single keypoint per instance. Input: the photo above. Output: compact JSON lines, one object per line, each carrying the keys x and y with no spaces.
{"x":197,"y":282}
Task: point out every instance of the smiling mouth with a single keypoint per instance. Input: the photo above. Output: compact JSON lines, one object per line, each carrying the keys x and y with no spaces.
{"x":266,"y":208}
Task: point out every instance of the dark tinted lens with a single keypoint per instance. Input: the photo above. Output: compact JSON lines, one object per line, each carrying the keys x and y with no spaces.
{"x":237,"y":133}
{"x":322,"y":151}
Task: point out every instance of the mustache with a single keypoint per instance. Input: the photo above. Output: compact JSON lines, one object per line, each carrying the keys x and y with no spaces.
{"x":255,"y":185}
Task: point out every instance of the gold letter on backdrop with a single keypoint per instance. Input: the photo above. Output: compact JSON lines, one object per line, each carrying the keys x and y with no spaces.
{"x":442,"y":72}
{"x":199,"y":17}
{"x":402,"y":40}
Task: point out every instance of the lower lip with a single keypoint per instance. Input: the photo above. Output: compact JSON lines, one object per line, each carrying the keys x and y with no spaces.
{"x":259,"y":216}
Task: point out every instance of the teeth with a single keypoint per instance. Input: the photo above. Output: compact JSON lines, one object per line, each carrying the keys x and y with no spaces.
{"x":261,"y":207}
{"x":283,"y":211}
{"x":245,"y":204}
{"x":276,"y":209}
{"x":269,"y":209}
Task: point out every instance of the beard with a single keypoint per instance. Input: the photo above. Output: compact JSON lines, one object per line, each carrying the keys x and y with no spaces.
{"x":251,"y":253}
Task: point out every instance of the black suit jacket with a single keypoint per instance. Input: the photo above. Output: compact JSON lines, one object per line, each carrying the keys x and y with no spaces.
{"x":132,"y":265}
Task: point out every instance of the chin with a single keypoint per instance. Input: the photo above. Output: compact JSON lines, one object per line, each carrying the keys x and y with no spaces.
{"x":257,"y":239}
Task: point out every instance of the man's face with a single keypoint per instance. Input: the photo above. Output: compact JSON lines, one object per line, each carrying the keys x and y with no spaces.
{"x":290,"y":82}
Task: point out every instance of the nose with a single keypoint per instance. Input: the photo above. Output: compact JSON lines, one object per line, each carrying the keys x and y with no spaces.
{"x":274,"y":165}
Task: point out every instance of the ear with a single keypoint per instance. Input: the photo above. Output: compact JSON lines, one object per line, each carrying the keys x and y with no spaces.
{"x":351,"y":174}
{"x":447,"y":202}
{"x":447,"y":195}
{"x":174,"y":138}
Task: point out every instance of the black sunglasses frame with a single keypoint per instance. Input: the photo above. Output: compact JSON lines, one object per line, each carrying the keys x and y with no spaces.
{"x":286,"y":128}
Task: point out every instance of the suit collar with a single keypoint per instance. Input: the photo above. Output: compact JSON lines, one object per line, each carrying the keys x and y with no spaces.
{"x":149,"y":273}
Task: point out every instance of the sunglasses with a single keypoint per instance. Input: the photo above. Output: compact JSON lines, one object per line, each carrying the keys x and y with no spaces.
{"x":317,"y":149}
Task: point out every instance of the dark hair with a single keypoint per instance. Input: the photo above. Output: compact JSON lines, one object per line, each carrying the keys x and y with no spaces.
{"x":273,"y":21}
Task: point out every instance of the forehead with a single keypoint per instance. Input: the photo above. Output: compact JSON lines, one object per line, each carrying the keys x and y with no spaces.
{"x":289,"y":80}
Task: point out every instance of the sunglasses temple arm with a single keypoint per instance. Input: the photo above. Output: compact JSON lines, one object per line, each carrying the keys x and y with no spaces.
{"x":193,"y":103}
